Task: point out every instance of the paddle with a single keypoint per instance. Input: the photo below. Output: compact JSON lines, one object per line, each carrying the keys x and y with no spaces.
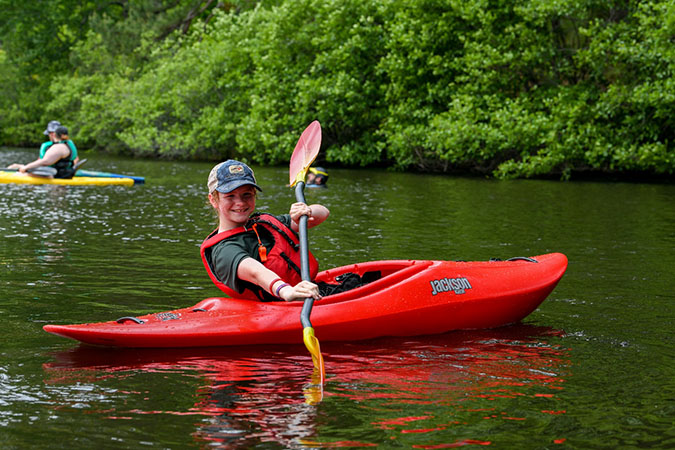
{"x":42,"y":171}
{"x":303,"y":156}
{"x":47,"y":171}
{"x":79,"y":164}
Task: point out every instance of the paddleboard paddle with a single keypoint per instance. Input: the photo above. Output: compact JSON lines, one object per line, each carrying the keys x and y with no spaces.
{"x":42,"y":171}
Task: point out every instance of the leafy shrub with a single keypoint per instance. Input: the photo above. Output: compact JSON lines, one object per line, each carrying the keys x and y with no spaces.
{"x":497,"y":87}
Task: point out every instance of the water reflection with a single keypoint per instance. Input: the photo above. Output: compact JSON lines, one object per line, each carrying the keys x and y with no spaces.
{"x":30,"y":221}
{"x":390,"y":389}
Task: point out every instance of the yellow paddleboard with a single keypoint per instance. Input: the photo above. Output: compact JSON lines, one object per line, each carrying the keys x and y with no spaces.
{"x":19,"y":178}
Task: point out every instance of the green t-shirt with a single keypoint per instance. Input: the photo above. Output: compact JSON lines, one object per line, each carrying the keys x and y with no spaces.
{"x":227,"y":254}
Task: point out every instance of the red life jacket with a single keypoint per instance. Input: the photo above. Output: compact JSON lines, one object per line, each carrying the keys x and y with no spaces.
{"x":283,"y":258}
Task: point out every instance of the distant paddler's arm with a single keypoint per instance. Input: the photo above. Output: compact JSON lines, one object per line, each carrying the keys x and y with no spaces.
{"x":52,"y":156}
{"x":254,"y":272}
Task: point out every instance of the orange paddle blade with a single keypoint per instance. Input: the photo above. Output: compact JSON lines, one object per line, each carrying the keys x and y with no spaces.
{"x":312,"y":344}
{"x":314,"y":391}
{"x":305,"y":152}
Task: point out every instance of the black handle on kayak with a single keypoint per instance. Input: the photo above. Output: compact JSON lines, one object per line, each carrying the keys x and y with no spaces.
{"x":304,"y":255}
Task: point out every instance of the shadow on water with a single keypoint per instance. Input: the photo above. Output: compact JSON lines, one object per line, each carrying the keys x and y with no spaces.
{"x":248,"y":395}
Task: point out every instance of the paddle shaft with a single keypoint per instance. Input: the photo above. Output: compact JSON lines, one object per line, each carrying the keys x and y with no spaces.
{"x":44,"y":170}
{"x":304,"y":255}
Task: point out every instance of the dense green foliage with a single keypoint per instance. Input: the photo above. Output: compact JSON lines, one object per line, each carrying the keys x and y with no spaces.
{"x":513,"y":89}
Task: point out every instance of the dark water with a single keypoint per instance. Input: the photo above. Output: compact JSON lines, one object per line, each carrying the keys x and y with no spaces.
{"x":593,"y":367}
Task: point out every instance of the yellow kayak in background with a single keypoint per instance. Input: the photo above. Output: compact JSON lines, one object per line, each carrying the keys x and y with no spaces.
{"x":18,"y":178}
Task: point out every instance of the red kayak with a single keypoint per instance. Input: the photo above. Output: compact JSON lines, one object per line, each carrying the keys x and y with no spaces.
{"x":406,"y":298}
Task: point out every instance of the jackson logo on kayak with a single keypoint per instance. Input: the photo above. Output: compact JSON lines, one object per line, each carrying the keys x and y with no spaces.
{"x":167,"y":316}
{"x":458,"y":285}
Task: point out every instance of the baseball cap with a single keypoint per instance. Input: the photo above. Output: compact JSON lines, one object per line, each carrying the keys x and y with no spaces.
{"x":229,"y":175}
{"x":51,"y":127}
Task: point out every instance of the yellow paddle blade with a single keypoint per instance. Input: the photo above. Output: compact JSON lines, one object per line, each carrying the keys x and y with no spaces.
{"x":305,"y":153}
{"x":312,"y":344}
{"x":314,"y":391}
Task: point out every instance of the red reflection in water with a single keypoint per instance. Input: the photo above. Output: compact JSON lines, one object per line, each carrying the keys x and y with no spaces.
{"x":455,"y":444}
{"x":255,"y":394}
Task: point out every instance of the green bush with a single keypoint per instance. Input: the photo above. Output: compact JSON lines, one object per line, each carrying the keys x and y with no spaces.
{"x":496,"y":87}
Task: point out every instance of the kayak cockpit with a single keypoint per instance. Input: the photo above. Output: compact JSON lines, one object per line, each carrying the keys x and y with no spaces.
{"x":382,"y":273}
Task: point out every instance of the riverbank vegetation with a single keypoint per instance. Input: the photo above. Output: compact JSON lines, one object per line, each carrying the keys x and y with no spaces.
{"x":498,"y":87}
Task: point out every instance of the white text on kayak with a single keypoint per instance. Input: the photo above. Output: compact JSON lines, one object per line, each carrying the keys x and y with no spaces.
{"x":457,"y":285}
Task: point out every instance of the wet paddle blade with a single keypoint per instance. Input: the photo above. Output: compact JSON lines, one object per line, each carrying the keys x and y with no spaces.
{"x":43,"y":171}
{"x":305,"y":152}
{"x":313,"y":392}
{"x":312,"y":344}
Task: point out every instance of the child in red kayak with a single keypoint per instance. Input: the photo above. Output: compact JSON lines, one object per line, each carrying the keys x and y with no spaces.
{"x":253,"y":255}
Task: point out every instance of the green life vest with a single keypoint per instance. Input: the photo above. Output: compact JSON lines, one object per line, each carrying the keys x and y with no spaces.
{"x":45,"y":146}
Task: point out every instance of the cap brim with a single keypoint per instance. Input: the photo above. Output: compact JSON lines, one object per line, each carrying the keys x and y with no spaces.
{"x":232,"y":185}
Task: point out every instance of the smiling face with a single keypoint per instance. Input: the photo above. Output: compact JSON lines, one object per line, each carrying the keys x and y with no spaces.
{"x":235,"y":207}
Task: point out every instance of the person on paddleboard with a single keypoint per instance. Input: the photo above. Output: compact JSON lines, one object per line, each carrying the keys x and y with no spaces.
{"x":252,"y":255}
{"x":59,"y":152}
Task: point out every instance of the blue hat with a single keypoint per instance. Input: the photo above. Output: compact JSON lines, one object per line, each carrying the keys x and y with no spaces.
{"x":51,"y":127}
{"x":229,"y":175}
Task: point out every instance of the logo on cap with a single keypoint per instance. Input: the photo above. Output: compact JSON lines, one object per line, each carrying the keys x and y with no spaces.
{"x":236,"y":170}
